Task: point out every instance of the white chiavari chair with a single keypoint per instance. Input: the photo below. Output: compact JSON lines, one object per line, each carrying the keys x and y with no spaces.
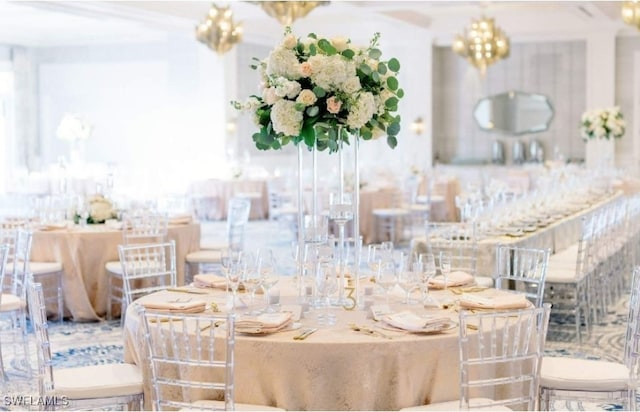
{"x":80,"y":388}
{"x":192,"y":361}
{"x":146,"y":268}
{"x":594,"y":380}
{"x":523,"y":270}
{"x":500,"y":354}
{"x":137,"y":228}
{"x":237,"y":219}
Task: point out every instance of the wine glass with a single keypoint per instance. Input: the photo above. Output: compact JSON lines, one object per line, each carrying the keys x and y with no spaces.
{"x":445,"y":266}
{"x":428,"y":267}
{"x":252,"y":279}
{"x":268,"y":275}
{"x":386,"y":276}
{"x":409,"y":271}
{"x":234,"y":275}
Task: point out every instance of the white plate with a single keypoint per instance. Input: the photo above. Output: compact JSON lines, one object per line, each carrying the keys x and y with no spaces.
{"x":443,"y":327}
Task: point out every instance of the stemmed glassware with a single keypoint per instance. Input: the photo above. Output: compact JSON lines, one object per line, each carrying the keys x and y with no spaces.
{"x":428,"y":267}
{"x":445,"y":266}
{"x":252,"y":281}
{"x":267,"y":268}
{"x":386,"y":276}
{"x":234,"y":275}
{"x":409,"y":271}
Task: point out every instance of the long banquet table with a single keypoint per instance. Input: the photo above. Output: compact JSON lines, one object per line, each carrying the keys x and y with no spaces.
{"x":336,"y":368}
{"x":557,"y":236}
{"x":84,"y":251}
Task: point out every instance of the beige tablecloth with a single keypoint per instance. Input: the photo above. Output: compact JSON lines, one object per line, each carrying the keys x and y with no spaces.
{"x":84,"y":253}
{"x":336,"y":368}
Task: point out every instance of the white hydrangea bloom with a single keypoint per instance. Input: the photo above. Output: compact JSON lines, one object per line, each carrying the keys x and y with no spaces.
{"x":362,"y":110}
{"x":283,"y":62}
{"x":285,"y":118}
{"x":330,"y":72}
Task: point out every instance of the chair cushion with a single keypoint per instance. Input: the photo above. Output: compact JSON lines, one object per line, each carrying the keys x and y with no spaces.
{"x":40,"y":268}
{"x":99,"y":381}
{"x":214,"y":245}
{"x":390,"y":212}
{"x":484,"y":281}
{"x":239,"y":406}
{"x":204,"y":256}
{"x":455,"y":406}
{"x":583,"y":374}
{"x":114,"y":267}
{"x":9,"y":302}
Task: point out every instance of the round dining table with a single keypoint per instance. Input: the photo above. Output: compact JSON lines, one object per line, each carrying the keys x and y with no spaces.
{"x":84,"y":251}
{"x":336,"y":367}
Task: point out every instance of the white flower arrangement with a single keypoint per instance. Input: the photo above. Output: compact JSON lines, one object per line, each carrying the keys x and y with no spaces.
{"x":313,"y":87}
{"x":602,"y":124}
{"x":74,"y":127}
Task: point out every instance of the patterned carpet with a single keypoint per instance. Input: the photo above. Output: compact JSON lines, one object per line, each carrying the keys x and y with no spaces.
{"x":78,"y":344}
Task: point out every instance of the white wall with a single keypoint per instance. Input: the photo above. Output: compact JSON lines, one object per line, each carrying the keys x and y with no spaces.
{"x":158,"y":109}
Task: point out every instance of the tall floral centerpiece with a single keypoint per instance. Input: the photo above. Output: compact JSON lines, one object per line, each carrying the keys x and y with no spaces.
{"x":322,"y":93}
{"x":599,"y":128}
{"x":74,"y":129}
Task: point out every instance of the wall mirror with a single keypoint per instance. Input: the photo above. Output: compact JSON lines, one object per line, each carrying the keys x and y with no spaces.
{"x":514,"y":113}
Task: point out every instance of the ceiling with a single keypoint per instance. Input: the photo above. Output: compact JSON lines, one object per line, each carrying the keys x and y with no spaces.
{"x":56,"y":23}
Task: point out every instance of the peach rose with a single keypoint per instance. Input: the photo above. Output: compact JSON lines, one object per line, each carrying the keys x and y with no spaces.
{"x":306,"y":97}
{"x":333,"y":105}
{"x":305,"y":69}
{"x":290,"y":41}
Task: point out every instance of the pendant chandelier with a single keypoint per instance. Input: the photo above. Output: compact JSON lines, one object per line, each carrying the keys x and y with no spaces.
{"x":631,"y":13}
{"x":286,"y":12}
{"x":218,"y":31}
{"x":482,"y":44}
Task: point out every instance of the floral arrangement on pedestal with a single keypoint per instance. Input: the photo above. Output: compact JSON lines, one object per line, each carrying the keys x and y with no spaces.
{"x":319,"y":91}
{"x":602,"y":124}
{"x":74,"y":127}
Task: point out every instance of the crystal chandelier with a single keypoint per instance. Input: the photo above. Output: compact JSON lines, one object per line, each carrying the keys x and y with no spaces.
{"x":631,"y":13}
{"x":286,"y":12}
{"x":218,"y":31}
{"x":483,"y":43}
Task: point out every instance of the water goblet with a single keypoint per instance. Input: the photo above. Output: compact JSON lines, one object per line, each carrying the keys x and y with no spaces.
{"x":386,"y":276}
{"x":234,"y":277}
{"x":409,"y":270}
{"x":268,"y":276}
{"x":428,"y":266}
{"x":445,"y":266}
{"x":252,"y":280}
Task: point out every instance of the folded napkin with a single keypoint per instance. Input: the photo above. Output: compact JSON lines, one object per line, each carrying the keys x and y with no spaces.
{"x":178,"y":306}
{"x":457,"y":278}
{"x":413,"y":323}
{"x":203,"y":280}
{"x":501,"y":301}
{"x":264,"y":323}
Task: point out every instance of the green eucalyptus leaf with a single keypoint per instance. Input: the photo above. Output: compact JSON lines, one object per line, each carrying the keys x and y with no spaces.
{"x":392,"y":83}
{"x":393,"y":129}
{"x":364,"y":68}
{"x":299,"y":107}
{"x":312,"y":35}
{"x":400,"y":93}
{"x":313,"y":111}
{"x":327,"y":47}
{"x":376,"y":77}
{"x":319,"y":91}
{"x":392,"y":142}
{"x":382,"y":68}
{"x":348,"y":53}
{"x":312,"y":49}
{"x":394,"y":65}
{"x":365,"y":133}
{"x":375,"y":53}
{"x":391,"y":103}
